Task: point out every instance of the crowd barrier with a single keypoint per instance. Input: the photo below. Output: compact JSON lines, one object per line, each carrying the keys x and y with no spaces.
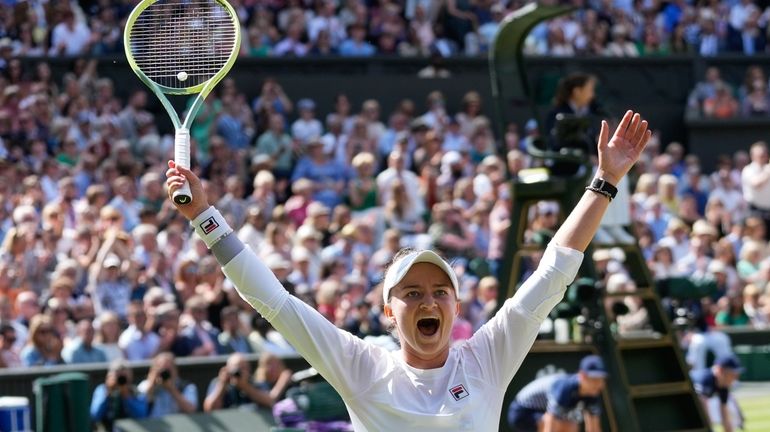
{"x":197,"y":370}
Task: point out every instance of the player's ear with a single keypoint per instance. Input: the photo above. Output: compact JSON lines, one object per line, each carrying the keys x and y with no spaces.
{"x":457,"y":308}
{"x":387,"y":310}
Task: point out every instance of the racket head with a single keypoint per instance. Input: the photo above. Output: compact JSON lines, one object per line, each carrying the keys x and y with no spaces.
{"x":182,"y":47}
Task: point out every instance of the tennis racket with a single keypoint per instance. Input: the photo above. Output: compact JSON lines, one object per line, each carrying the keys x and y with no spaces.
{"x":182,"y":47}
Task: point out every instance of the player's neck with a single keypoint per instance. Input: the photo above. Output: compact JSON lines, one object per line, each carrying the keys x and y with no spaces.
{"x":417,"y":361}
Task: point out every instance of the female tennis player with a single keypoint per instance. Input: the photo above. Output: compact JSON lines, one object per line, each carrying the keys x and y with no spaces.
{"x":427,"y":385}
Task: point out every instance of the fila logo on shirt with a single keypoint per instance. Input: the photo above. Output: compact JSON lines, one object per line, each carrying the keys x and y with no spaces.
{"x":209,"y":225}
{"x":458,"y":392}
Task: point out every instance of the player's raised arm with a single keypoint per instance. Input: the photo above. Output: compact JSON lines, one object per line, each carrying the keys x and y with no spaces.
{"x":341,"y":358}
{"x":616,"y":156}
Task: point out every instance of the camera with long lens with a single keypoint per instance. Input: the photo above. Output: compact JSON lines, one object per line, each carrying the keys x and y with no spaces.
{"x":122,"y":380}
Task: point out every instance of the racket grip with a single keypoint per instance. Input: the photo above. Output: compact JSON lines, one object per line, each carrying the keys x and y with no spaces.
{"x":182,"y":195}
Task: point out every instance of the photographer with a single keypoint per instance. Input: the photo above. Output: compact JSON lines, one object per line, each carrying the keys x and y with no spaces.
{"x":234,"y":387}
{"x":164,"y":391}
{"x":117,"y":398}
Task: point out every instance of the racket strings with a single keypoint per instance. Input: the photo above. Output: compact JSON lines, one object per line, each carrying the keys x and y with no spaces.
{"x":196,"y":37}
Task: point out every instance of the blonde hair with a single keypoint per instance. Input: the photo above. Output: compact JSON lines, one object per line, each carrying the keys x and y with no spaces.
{"x":263,"y":178}
{"x":362,"y":159}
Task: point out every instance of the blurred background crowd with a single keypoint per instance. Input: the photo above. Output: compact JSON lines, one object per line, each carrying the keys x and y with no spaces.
{"x":619,"y":28}
{"x":96,"y":266}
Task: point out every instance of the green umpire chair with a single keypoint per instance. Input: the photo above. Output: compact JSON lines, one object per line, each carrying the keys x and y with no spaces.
{"x":62,"y":403}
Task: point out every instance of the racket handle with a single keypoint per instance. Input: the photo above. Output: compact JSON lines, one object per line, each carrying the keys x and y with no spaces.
{"x":182,"y":195}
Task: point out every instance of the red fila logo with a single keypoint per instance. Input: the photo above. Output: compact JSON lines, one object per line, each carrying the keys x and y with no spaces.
{"x":458,"y":392}
{"x":209,"y":225}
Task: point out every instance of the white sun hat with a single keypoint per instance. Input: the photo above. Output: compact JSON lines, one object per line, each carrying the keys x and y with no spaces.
{"x":400,"y":268}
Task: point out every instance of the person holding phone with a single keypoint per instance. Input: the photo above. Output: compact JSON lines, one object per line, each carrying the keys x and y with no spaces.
{"x":429,"y":384}
{"x":165,"y":392}
{"x":117,"y":398}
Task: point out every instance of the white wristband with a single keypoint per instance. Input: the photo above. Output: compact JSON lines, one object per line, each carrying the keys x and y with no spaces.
{"x":211,"y":226}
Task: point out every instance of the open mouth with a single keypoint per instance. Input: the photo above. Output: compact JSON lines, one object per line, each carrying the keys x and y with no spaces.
{"x":428,"y":326}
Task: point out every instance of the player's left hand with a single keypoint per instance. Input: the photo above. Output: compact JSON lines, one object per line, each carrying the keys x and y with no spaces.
{"x":618,"y":154}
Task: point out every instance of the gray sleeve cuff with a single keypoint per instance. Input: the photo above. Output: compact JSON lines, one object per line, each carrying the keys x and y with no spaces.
{"x":227,"y":248}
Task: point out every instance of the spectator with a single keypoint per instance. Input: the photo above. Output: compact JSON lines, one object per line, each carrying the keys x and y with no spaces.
{"x":81,"y":349}
{"x":272,"y":375}
{"x":165,"y":392}
{"x":401,"y":212}
{"x":450,"y":233}
{"x":752,"y":254}
{"x":26,"y":307}
{"x":137,"y":341}
{"x":329,"y":177}
{"x":109,"y":282}
{"x":499,"y":223}
{"x":621,"y":45}
{"x":272,"y":99}
{"x":362,"y":189}
{"x":117,"y":398}
{"x":757,"y":101}
{"x":755,"y":180}
{"x":292,"y":45}
{"x":235,"y":387}
{"x":44,"y":345}
{"x":70,"y":37}
{"x":397,"y":171}
{"x":171,"y":339}
{"x":108,"y":336}
{"x":753,"y":307}
{"x":306,"y":127}
{"x":231,"y":339}
{"x":235,"y":123}
{"x":328,"y":23}
{"x":722,"y":105}
{"x":9,"y":358}
{"x":356,"y":45}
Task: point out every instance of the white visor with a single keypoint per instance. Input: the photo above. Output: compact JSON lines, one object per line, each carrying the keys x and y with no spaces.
{"x":400,"y":268}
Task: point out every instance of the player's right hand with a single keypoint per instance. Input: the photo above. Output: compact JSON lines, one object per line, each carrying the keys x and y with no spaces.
{"x":175,"y":177}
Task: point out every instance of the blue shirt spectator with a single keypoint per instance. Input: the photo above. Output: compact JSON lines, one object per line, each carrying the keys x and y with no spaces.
{"x":117,"y":398}
{"x":355,"y":45}
{"x":329,"y":176}
{"x":165,"y":392}
{"x":81,"y":349}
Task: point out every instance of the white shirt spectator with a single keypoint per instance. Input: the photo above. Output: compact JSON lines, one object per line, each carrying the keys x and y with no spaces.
{"x":740,"y":13}
{"x":138,"y":346}
{"x":732,"y":200}
{"x":332,"y":25}
{"x":290,"y":47}
{"x":411,"y":184}
{"x":74,"y":40}
{"x":305,"y":130}
{"x":759,"y":195}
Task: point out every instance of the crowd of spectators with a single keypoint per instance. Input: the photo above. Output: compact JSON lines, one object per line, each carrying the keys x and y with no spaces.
{"x":361,"y":28}
{"x":95,"y":264}
{"x":714,"y":97}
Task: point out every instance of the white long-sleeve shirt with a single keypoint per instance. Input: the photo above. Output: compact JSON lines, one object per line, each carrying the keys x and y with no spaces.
{"x":380,"y":390}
